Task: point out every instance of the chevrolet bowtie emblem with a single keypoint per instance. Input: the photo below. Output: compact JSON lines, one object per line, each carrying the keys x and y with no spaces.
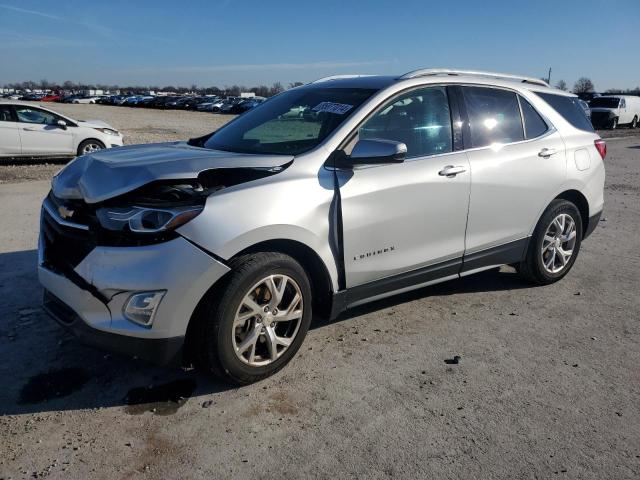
{"x":65,"y":212}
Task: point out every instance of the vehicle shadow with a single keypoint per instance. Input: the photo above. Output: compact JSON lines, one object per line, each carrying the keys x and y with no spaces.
{"x":45,"y":368}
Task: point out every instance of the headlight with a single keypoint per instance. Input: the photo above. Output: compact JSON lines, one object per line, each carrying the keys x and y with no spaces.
{"x":108,"y":131}
{"x":146,"y":220}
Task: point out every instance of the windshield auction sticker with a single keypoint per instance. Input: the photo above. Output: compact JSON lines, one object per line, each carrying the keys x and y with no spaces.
{"x":337,"y":108}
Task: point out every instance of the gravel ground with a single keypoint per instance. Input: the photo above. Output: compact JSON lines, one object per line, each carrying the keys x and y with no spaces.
{"x":547,"y":385}
{"x":138,"y":125}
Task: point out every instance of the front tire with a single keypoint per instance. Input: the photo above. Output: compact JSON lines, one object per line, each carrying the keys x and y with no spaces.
{"x":252,"y":325}
{"x":90,"y":146}
{"x":614,"y":123}
{"x":634,"y":122}
{"x":555,"y":244}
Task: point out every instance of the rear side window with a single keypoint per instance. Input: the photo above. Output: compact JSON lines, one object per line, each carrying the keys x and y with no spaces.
{"x":569,"y":108}
{"x":494,"y":116}
{"x":534,"y":125}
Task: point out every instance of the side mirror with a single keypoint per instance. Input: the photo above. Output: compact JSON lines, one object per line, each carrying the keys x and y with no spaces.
{"x":62,"y":124}
{"x":377,"y":151}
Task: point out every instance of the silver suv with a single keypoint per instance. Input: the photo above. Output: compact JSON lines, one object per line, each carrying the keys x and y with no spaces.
{"x":216,"y":252}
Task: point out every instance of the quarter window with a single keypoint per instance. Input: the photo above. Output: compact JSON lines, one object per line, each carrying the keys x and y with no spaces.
{"x":569,"y":108}
{"x":494,"y":116}
{"x":420,"y":119}
{"x":534,"y":125}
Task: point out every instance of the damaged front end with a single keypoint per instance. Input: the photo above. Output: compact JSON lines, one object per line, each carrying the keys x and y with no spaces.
{"x":110,"y":259}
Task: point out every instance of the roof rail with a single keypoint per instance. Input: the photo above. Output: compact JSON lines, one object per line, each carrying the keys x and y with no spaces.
{"x":425,"y":72}
{"x":337,"y":77}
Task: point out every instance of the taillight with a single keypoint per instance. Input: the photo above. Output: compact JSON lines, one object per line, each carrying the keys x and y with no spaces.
{"x":601,"y":146}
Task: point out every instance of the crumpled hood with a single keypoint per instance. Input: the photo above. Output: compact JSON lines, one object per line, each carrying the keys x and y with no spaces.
{"x":116,"y":171}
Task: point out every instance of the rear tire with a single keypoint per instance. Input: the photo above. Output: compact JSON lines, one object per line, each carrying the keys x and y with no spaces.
{"x":237,"y":329}
{"x":555,"y":244}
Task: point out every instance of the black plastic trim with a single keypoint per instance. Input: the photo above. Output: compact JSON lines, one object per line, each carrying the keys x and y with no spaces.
{"x":160,"y":351}
{"x":343,"y":299}
{"x":593,"y":223}
{"x":512,"y":252}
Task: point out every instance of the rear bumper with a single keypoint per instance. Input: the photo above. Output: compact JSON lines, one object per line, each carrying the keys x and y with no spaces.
{"x":161,"y":351}
{"x":593,"y":223}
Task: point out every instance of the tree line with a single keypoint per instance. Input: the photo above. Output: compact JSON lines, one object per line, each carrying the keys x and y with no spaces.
{"x":585,"y":85}
{"x":232,"y":90}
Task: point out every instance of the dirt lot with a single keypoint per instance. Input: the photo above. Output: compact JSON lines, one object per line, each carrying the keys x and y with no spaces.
{"x":547,"y":385}
{"x":138,"y":125}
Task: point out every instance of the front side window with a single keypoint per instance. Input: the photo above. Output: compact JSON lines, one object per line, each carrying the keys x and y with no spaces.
{"x":290,"y":123}
{"x":420,"y":119}
{"x":494,"y":116}
{"x":534,"y":125}
{"x":34,"y":115}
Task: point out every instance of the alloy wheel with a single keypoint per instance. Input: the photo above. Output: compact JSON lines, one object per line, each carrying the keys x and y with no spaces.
{"x":91,"y":147}
{"x":558,"y":243}
{"x":267,"y":320}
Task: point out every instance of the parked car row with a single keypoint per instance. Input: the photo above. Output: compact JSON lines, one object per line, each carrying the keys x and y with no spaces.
{"x":212,"y":103}
{"x":208,"y":103}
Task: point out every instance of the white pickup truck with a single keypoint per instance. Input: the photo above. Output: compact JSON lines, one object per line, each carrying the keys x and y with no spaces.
{"x":613,"y":110}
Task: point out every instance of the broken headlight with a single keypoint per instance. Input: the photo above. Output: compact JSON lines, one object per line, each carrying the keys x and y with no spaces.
{"x":146,"y":219}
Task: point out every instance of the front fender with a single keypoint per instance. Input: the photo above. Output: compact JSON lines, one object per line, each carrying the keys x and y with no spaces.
{"x":239,"y":218}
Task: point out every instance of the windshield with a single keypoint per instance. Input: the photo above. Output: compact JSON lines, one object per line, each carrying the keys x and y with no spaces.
{"x":290,"y":123}
{"x":604,"y":102}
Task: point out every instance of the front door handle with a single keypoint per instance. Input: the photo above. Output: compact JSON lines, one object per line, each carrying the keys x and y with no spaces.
{"x":450,"y":171}
{"x":547,"y":152}
{"x":27,"y":129}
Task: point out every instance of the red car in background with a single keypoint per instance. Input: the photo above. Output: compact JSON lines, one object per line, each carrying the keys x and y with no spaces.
{"x":53,"y":97}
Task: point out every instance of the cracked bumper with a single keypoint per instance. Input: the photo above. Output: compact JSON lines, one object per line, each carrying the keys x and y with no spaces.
{"x":113,"y":274}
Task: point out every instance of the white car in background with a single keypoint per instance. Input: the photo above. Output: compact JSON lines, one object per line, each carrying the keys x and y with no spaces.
{"x":85,"y":100}
{"x":29,"y":131}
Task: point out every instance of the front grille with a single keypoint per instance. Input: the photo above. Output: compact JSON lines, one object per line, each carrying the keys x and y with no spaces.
{"x":64,"y":247}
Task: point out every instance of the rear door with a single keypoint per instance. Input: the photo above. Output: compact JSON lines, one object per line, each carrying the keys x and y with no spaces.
{"x":518,"y":161}
{"x":9,"y":137}
{"x":40,"y":134}
{"x":407,"y":217}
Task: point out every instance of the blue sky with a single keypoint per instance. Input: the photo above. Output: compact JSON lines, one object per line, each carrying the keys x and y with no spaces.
{"x":222,"y":42}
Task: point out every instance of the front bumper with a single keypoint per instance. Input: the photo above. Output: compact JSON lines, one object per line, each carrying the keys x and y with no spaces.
{"x":161,"y":351}
{"x":90,"y":298}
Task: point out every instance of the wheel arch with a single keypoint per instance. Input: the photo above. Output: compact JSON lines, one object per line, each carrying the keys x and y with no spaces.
{"x":580,"y":201}
{"x":319,"y":277}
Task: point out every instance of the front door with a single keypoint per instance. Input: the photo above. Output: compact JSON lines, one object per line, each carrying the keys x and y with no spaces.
{"x":9,"y":137}
{"x":40,"y":134}
{"x":401,"y":218}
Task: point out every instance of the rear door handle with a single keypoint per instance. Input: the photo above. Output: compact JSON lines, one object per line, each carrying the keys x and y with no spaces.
{"x":27,"y":129}
{"x":451,"y":171}
{"x":547,"y":152}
